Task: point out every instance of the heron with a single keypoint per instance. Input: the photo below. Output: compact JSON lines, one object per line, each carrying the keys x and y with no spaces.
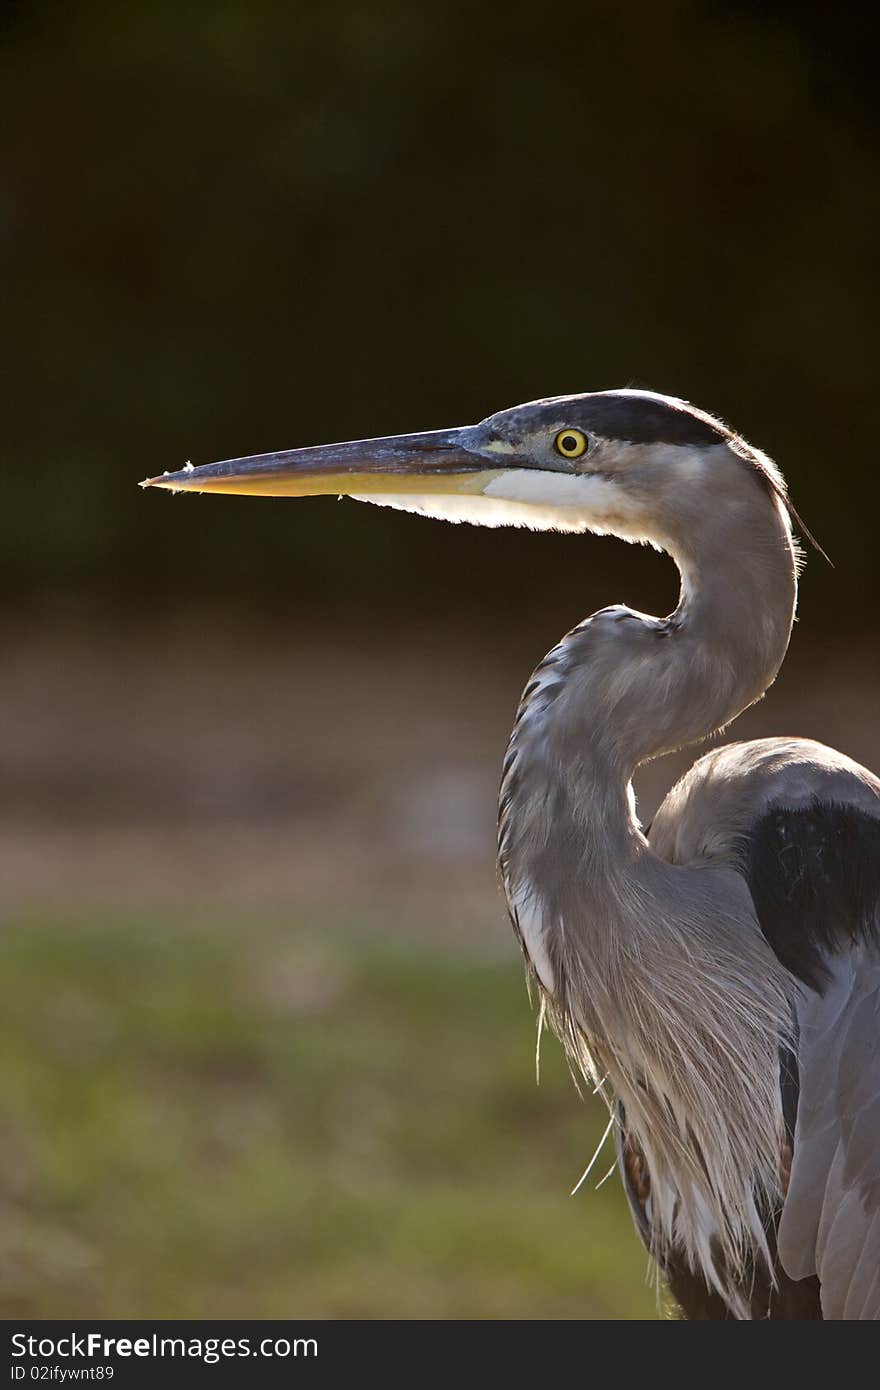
{"x":716,"y":976}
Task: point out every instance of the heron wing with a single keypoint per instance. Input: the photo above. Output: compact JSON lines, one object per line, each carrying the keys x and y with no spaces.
{"x":802,"y":823}
{"x":814,"y":874}
{"x":830,"y":1223}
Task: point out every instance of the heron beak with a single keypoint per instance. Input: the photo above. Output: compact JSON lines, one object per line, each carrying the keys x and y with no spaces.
{"x":439,"y":461}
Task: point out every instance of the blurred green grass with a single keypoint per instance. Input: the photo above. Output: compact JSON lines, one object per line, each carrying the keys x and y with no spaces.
{"x":229,"y":1119}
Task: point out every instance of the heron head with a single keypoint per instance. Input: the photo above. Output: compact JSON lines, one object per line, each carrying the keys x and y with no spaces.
{"x":632,"y":463}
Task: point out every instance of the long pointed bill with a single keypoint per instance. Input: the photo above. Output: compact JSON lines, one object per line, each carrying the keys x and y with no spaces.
{"x":418,"y":463}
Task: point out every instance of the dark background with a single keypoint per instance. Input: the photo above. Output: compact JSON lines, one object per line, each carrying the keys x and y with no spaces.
{"x":264,"y":1046}
{"x":233,"y":228}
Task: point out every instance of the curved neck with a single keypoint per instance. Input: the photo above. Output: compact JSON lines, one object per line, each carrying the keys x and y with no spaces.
{"x":679,"y":680}
{"x":622,"y":687}
{"x":732,"y":624}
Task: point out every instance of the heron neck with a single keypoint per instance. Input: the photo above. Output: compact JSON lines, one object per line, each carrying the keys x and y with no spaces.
{"x":690,"y":675}
{"x":623,"y":688}
{"x":731,"y":628}
{"x":739,"y":593}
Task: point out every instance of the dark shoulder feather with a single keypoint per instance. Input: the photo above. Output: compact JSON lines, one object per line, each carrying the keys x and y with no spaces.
{"x":814,"y":876}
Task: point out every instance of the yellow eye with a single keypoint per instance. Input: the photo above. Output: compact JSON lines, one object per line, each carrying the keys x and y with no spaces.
{"x":571,"y":443}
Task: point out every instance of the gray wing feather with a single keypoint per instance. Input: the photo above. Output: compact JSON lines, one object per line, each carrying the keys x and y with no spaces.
{"x":872,"y":1297}
{"x":830,"y":1222}
{"x":858,"y":1299}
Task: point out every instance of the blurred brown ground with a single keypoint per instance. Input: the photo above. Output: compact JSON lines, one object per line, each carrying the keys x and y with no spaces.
{"x":222,"y":765}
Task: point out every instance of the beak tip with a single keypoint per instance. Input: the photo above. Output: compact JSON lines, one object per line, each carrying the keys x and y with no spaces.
{"x":171,"y":482}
